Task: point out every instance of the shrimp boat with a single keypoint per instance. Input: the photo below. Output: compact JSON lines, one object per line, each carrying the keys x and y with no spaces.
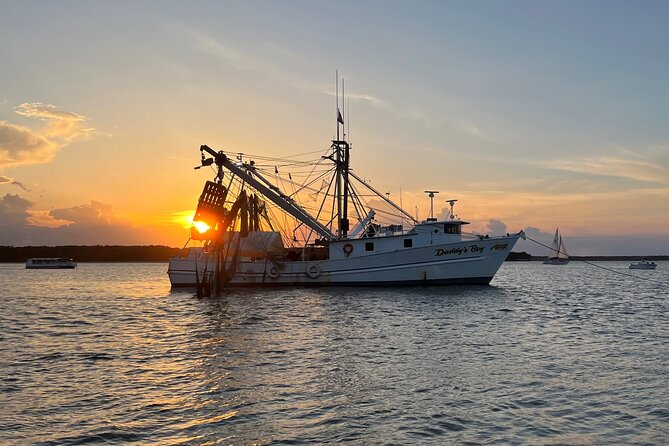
{"x":558,"y":253}
{"x":321,"y":225}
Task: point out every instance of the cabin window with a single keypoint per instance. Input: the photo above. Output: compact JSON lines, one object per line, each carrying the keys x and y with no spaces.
{"x":451,"y":229}
{"x":369,"y":246}
{"x":408,"y":243}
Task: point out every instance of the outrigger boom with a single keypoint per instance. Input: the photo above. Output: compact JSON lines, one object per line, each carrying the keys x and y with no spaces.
{"x":270,"y":191}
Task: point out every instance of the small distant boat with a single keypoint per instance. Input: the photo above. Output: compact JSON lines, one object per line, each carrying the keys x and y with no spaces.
{"x":643,"y":264}
{"x":558,"y":253}
{"x":50,"y":263}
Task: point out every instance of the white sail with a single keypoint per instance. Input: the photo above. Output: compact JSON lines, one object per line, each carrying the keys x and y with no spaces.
{"x":555,"y":247}
{"x":562,"y":253}
{"x":557,"y":254}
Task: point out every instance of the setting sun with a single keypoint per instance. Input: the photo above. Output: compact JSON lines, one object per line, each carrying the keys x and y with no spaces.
{"x":201,"y":226}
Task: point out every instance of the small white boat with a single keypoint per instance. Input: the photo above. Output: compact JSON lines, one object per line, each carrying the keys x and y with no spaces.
{"x":643,"y":264}
{"x":50,"y":263}
{"x":558,"y":253}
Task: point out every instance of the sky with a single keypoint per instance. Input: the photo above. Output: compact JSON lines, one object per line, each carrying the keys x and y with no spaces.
{"x":533,"y":114}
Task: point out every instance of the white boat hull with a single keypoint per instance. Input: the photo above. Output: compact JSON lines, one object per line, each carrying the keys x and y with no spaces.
{"x":642,"y":266}
{"x":465,"y":262}
{"x":50,"y":263}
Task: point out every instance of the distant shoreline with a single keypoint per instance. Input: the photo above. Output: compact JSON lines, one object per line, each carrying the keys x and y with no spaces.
{"x":101,"y":253}
{"x":525,"y":257}
{"x":162,"y":254}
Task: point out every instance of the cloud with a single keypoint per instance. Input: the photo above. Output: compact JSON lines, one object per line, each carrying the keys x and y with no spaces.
{"x":244,"y":61}
{"x":61,"y":125}
{"x":377,"y":102}
{"x":92,"y":214}
{"x":47,"y":112}
{"x":537,"y":243}
{"x":21,"y":145}
{"x":634,"y":169}
{"x":7,"y":180}
{"x":13,"y":211}
{"x":44,"y":219}
{"x":87,"y":224}
{"x":471,"y":129}
{"x":496,"y":227}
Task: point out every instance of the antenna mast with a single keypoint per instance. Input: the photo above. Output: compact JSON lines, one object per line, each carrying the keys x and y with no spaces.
{"x":431,"y":194}
{"x":452,"y":203}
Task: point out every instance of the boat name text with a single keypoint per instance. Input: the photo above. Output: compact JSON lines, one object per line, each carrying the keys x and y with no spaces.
{"x":458,"y":251}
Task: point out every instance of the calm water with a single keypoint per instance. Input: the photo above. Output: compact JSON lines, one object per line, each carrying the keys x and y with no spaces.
{"x":107,"y":353}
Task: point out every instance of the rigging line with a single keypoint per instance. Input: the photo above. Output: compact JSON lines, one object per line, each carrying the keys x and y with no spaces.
{"x":318,"y":163}
{"x":380,"y":195}
{"x":271,"y":158}
{"x":278,"y":162}
{"x":359,"y":208}
{"x":598,"y":266}
{"x":308,"y":185}
{"x":320,"y":209}
{"x":298,"y":201}
{"x":360,"y":205}
{"x":283,"y":230}
{"x":285,"y":157}
{"x":294,"y":170}
{"x":294,"y":183}
{"x":332,"y":212}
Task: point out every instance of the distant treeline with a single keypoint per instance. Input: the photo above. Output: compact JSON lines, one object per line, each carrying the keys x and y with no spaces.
{"x":518,"y":256}
{"x":153,"y":253}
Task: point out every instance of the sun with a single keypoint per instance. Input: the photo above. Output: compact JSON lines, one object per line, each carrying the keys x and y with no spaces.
{"x":201,"y":226}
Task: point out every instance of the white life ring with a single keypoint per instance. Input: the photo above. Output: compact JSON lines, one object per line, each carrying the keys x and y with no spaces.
{"x":313,"y":271}
{"x":272,"y":272}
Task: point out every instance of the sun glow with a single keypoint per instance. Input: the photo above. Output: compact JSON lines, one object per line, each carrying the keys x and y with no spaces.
{"x":201,"y":226}
{"x":183,"y":218}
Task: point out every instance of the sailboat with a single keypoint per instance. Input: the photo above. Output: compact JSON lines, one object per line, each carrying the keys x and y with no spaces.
{"x":261,"y":226}
{"x":558,"y":253}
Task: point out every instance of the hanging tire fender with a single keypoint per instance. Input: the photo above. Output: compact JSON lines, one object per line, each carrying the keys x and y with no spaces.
{"x":272,"y":271}
{"x":313,"y":270}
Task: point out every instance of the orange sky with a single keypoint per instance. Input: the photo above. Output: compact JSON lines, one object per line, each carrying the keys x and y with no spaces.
{"x":102,"y":113}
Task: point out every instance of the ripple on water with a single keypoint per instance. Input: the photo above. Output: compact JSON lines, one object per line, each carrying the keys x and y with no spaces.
{"x":108,"y":354}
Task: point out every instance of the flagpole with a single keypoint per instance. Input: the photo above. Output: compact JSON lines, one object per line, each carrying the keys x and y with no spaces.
{"x":338,"y":159}
{"x":343,"y":108}
{"x":337,"y":100}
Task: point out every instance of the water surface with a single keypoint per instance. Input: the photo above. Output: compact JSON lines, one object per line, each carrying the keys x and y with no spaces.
{"x":545,"y":355}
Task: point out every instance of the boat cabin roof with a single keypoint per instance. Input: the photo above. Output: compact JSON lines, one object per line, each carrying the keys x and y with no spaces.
{"x":434,"y":222}
{"x":51,"y":259}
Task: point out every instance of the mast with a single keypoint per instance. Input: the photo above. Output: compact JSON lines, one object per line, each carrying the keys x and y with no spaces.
{"x":342,"y":160}
{"x":338,"y":160}
{"x":344,"y":219}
